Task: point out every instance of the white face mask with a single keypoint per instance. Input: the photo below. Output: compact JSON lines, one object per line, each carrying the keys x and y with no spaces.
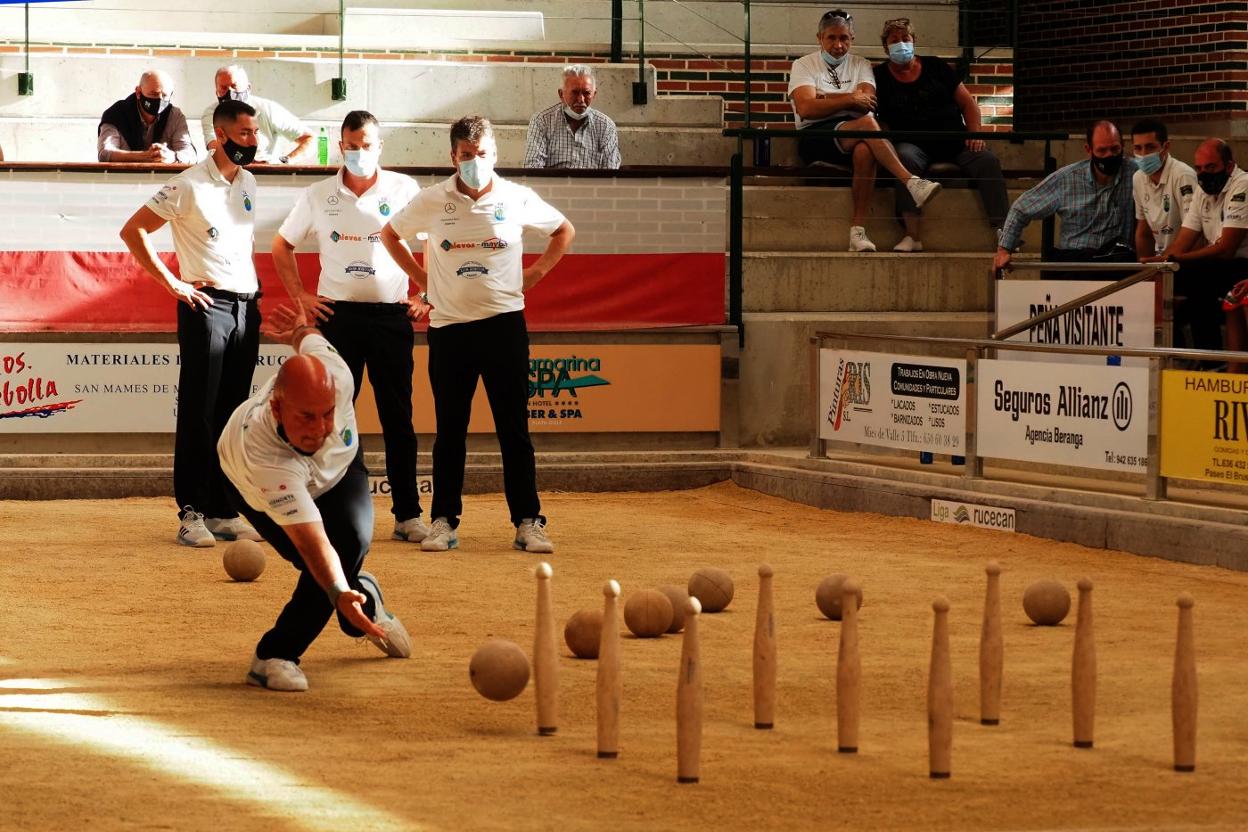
{"x":476,"y":172}
{"x":361,"y":163}
{"x":570,"y":113}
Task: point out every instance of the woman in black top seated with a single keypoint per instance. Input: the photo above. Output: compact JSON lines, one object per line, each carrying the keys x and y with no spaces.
{"x":924,"y":93}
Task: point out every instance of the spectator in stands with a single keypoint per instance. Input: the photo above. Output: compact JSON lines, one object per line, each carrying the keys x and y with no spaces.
{"x":924,"y":93}
{"x":1212,"y":247}
{"x":1,"y":154}
{"x":145,"y":126}
{"x":1093,"y":199}
{"x":832,"y":89}
{"x":1163,"y":188}
{"x":572,"y":134}
{"x":278,"y":127}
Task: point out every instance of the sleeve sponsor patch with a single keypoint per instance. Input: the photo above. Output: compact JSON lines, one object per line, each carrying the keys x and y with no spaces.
{"x":1185,"y":190}
{"x":282,"y":500}
{"x":1239,"y":197}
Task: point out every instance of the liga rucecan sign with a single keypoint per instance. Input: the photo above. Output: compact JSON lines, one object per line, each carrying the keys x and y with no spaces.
{"x":892,"y":401}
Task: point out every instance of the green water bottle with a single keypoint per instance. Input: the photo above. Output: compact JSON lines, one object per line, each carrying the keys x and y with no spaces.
{"x":322,"y":148}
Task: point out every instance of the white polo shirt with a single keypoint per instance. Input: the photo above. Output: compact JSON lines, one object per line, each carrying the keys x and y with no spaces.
{"x":813,"y":71}
{"x":213,"y":223}
{"x":1228,"y":209}
{"x":1164,"y":205}
{"x":355,"y":265}
{"x":271,"y":474}
{"x":473,"y":255}
{"x":277,"y":128}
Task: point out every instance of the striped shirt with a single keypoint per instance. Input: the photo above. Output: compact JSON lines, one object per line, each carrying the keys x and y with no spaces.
{"x":1093,"y":215}
{"x":552,"y":144}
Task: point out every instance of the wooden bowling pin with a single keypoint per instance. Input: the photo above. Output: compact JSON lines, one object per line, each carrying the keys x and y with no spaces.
{"x":610,"y":685}
{"x":940,"y":697}
{"x":689,"y":700}
{"x":848,"y":672}
{"x":1183,"y":689}
{"x":1083,"y":670}
{"x":991,"y":650}
{"x":765,"y":652}
{"x":545,"y":661}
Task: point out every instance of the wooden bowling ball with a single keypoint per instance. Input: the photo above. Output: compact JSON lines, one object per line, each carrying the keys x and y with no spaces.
{"x":648,"y":613}
{"x":1046,"y":602}
{"x":712,"y":587}
{"x":243,"y":560}
{"x":679,"y":596}
{"x":828,"y":596}
{"x":583,"y":633}
{"x":499,"y":670}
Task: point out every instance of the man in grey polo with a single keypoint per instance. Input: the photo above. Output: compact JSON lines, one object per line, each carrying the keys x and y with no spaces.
{"x":572,"y":134}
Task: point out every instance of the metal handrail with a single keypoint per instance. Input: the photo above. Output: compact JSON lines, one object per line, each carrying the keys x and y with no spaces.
{"x":1145,"y":273}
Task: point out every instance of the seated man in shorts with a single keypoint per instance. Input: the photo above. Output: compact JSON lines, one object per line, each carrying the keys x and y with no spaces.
{"x":832,"y":89}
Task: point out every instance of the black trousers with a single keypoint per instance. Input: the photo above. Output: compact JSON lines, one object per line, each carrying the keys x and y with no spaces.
{"x":496,"y":350}
{"x":347,"y":514}
{"x":218,"y":348}
{"x":1203,"y":284}
{"x":379,"y":336}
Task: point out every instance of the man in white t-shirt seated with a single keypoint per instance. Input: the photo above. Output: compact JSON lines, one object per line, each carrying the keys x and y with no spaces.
{"x":833,"y":89}
{"x":1212,"y":248}
{"x":1163,"y":188}
{"x":281,"y":136}
{"x":292,"y":454}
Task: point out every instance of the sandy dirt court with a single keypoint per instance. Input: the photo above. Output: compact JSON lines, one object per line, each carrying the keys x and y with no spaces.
{"x":122,"y":703}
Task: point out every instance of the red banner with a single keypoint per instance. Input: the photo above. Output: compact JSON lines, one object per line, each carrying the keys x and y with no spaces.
{"x":90,"y":291}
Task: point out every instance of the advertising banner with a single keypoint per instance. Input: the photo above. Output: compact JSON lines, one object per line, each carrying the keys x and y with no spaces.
{"x":1204,"y":426}
{"x":1063,"y":414}
{"x":895,"y":401}
{"x":1123,"y":319}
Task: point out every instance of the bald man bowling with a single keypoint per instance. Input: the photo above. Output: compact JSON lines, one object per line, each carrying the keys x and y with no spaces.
{"x":292,"y":455}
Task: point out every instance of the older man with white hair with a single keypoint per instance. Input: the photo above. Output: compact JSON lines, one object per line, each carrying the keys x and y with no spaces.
{"x":278,"y":126}
{"x":145,"y":126}
{"x":572,"y":134}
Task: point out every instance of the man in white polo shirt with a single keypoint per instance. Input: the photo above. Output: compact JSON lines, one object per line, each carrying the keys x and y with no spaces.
{"x":277,"y":127}
{"x":292,"y":454}
{"x":361,"y":302}
{"x":211,"y":210}
{"x":1162,"y":186}
{"x":475,"y":222}
{"x":1212,"y":246}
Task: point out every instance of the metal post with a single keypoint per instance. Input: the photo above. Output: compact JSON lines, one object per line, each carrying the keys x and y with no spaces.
{"x":1155,"y":484}
{"x":338,"y":86}
{"x":974,"y":468}
{"x":617,"y":31}
{"x":736,"y":246}
{"x":748,"y":61}
{"x":818,"y":449}
{"x":640,"y":90}
{"x":26,"y":80}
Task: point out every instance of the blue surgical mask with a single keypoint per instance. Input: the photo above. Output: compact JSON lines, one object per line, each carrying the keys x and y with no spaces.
{"x":1150,"y":164}
{"x":901,"y":52}
{"x":832,"y":60}
{"x":362,"y":163}
{"x":476,"y":172}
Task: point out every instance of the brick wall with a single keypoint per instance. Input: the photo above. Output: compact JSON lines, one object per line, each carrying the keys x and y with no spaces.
{"x":990,"y":79}
{"x":1180,"y":60}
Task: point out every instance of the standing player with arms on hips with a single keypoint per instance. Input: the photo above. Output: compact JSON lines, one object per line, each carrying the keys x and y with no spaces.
{"x":475,"y":221}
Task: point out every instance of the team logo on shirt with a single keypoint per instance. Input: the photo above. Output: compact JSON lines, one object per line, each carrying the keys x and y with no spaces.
{"x":360,"y":270}
{"x":494,"y":244}
{"x":384,"y":209}
{"x":472,"y":269}
{"x":213,"y":233}
{"x":246,"y":201}
{"x":500,"y":213}
{"x":346,"y":437}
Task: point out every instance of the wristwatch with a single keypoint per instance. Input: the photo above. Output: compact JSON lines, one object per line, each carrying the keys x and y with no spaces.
{"x":285,"y":160}
{"x":424,"y":298}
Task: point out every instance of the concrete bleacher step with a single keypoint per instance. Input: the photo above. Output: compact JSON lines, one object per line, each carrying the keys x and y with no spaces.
{"x":775,"y":363}
{"x":839,"y":281}
{"x":817,"y":218}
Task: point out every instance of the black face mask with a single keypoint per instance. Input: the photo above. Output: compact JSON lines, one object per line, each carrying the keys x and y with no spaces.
{"x":153,"y":106}
{"x":1213,"y":183}
{"x":239,"y":154}
{"x":1108,"y":165}
{"x":234,"y":95}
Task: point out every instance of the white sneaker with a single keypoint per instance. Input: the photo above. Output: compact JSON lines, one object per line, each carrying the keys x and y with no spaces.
{"x":413,"y":530}
{"x":193,"y":532}
{"x":858,"y":240}
{"x":276,"y":674}
{"x":231,"y":528}
{"x":908,"y":244}
{"x":441,"y":537}
{"x":531,"y":537}
{"x":396,"y":644}
{"x":923,"y":190}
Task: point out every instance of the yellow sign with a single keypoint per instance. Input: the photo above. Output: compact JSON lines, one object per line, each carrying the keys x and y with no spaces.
{"x":1204,"y":426}
{"x":591,"y":388}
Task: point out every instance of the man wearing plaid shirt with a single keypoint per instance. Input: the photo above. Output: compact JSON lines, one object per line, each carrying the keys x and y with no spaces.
{"x":571,"y":134}
{"x":1093,"y":198}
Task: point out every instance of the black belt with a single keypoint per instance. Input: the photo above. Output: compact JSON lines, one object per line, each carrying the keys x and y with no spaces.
{"x":213,"y":291}
{"x":368,"y":305}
